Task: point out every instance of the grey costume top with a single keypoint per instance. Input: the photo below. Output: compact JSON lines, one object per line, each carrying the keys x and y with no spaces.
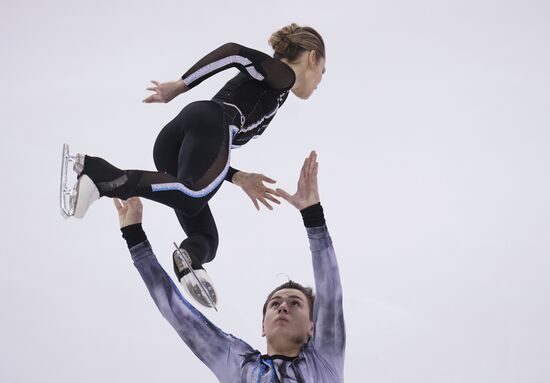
{"x":232,"y":360}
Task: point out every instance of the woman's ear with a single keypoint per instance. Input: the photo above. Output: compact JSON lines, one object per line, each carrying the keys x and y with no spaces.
{"x":312,"y":58}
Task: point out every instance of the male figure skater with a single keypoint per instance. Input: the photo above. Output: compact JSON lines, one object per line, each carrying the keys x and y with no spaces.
{"x":305,"y":336}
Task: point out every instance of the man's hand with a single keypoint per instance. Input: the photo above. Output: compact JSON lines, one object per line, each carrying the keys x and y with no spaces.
{"x":130,"y":211}
{"x":166,"y":91}
{"x":308,"y":191}
{"x":253,"y":186}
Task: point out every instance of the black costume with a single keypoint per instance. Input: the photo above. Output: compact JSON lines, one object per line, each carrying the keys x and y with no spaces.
{"x":192,"y":152}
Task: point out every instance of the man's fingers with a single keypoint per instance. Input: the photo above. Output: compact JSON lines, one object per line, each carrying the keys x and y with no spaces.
{"x":312,"y":161}
{"x":118,"y":204}
{"x":155,"y":82}
{"x":303,"y":172}
{"x":134,"y":201}
{"x":314,"y":171}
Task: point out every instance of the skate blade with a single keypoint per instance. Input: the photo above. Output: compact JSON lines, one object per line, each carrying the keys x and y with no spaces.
{"x":199,"y":284}
{"x":66,"y":194}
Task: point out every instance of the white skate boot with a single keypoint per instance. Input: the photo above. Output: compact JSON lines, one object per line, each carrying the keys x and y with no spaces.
{"x":196,"y":283}
{"x":74,"y":202}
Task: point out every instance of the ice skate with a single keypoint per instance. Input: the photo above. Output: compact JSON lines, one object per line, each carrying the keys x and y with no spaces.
{"x":196,"y":283}
{"x":74,"y":201}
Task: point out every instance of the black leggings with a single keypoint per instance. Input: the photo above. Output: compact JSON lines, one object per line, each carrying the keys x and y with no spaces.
{"x":191,"y":154}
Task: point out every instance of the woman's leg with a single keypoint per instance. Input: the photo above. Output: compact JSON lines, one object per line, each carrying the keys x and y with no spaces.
{"x":202,"y":161}
{"x":117,"y":183}
{"x":202,"y":236}
{"x":178,"y":148}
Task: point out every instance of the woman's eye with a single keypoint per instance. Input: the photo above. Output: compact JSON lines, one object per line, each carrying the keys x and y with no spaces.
{"x":274,"y":304}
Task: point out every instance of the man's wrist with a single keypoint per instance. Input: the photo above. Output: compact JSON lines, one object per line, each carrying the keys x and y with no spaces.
{"x":133,"y":234}
{"x":313,"y":215}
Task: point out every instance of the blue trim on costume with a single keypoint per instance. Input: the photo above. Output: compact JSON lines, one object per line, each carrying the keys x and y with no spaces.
{"x":270,"y":364}
{"x":261,"y":373}
{"x":208,"y":189}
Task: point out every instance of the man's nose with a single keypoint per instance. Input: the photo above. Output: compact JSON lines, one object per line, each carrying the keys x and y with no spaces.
{"x":283,"y":307}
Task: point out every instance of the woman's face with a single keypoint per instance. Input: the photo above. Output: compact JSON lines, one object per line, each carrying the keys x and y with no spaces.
{"x":309,"y":75}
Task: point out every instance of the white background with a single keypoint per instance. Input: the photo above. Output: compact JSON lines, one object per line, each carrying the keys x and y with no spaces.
{"x":432,"y":128}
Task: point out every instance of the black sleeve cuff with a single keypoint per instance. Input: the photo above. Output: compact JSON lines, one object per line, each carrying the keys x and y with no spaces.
{"x":230,"y":173}
{"x":313,"y":216}
{"x":133,"y":234}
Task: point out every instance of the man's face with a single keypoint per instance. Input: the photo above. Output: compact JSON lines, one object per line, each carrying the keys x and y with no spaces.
{"x":287,"y":318}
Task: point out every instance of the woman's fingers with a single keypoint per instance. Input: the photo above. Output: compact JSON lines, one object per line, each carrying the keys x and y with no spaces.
{"x":267,"y":179}
{"x":151,"y":98}
{"x":271,"y":198}
{"x":154,"y":98}
{"x":283,"y":194}
{"x":265,"y":203}
{"x":270,"y":191}
{"x":255,"y":202}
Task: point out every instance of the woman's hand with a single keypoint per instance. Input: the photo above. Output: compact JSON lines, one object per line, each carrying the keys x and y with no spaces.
{"x":308,"y":191}
{"x":166,"y":91}
{"x":253,"y":186}
{"x":130,"y":211}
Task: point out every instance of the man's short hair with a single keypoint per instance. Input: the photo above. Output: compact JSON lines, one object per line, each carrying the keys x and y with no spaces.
{"x":308,"y":292}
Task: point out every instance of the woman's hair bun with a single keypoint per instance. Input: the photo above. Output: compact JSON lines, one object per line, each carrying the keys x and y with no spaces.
{"x":281,"y":39}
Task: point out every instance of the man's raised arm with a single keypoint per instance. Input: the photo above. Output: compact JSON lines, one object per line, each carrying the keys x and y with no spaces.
{"x":210,"y":344}
{"x":329,"y":337}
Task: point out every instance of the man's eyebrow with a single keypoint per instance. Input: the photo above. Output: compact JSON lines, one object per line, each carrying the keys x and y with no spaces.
{"x":296,"y":296}
{"x":289,"y":297}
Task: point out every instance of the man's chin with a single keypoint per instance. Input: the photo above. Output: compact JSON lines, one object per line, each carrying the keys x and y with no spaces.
{"x":282,"y":322}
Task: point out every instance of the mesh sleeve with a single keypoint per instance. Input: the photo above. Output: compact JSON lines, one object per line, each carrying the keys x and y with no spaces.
{"x":274,"y":73}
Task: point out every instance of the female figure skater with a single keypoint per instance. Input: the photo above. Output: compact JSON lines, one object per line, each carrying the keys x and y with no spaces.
{"x":192,"y":151}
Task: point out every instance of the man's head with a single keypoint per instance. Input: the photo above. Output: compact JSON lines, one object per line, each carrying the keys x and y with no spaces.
{"x":288,"y":316}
